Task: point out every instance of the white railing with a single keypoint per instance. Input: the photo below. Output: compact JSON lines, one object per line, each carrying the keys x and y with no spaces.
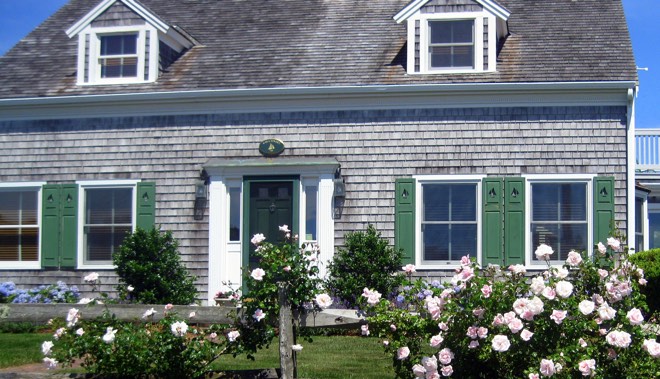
{"x":647,"y":149}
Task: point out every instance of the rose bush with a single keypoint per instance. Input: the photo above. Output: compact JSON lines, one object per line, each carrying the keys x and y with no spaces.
{"x":286,"y":264}
{"x":169,"y":348}
{"x":585,"y":319}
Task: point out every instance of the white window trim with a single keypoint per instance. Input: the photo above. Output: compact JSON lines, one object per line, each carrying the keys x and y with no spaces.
{"x":30,"y":265}
{"x":424,"y":62}
{"x":552,"y":178}
{"x":645,"y":218}
{"x":95,"y":184}
{"x":444,"y":179}
{"x":94,"y":69}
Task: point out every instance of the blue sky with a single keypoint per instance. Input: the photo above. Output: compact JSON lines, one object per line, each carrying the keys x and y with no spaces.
{"x":18,"y":17}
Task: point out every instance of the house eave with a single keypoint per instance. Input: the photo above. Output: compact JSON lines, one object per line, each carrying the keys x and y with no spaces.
{"x":295,"y":99}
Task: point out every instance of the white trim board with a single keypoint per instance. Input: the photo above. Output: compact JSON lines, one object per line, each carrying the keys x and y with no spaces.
{"x":296,"y":99}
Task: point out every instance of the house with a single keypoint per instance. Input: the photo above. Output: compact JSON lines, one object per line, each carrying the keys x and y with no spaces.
{"x":647,"y":193}
{"x":456,"y":127}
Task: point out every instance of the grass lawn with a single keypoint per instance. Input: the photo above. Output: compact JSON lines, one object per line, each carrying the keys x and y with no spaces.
{"x":22,"y":348}
{"x":326,"y":358}
{"x":341,"y":357}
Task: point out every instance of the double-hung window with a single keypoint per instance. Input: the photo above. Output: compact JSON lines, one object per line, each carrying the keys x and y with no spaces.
{"x":451,"y":44}
{"x":118,"y":55}
{"x":19,"y":226}
{"x":559,"y":218}
{"x":108,"y":217}
{"x":449,"y":221}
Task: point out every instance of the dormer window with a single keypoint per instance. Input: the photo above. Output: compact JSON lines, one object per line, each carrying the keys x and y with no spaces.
{"x":121,"y":42}
{"x":446,"y":37}
{"x":119,"y":56}
{"x":451,"y":44}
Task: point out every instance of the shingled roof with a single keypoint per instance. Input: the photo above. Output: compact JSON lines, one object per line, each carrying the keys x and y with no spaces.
{"x":324,"y":43}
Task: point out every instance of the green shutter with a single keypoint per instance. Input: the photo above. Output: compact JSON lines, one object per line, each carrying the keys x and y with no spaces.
{"x":404,"y":223}
{"x":69,"y":225}
{"x":493,"y":221}
{"x":146,"y":205}
{"x":514,"y":221}
{"x":59,"y":226}
{"x":603,"y":207}
{"x":50,"y":225}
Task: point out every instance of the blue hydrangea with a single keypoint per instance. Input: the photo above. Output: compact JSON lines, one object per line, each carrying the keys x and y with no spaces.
{"x":437,"y":284}
{"x":400,"y":299}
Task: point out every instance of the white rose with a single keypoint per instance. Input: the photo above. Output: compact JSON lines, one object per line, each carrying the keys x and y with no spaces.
{"x":564,"y":289}
{"x":501,"y":343}
{"x":586,"y":307}
{"x":543,"y":252}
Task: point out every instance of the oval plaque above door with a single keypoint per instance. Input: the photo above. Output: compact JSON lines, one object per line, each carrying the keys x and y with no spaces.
{"x":271,"y":147}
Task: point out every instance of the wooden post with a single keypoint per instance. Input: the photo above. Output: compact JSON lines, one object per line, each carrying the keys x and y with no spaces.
{"x":286,"y":333}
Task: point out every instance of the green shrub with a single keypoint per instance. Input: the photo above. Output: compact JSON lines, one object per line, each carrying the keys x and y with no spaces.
{"x":367,"y":260}
{"x":649,"y":261}
{"x":150,"y":269}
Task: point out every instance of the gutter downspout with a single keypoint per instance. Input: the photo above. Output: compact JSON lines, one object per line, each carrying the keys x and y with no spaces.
{"x":631,"y":158}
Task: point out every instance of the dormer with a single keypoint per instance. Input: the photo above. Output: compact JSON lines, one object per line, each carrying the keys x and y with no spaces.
{"x":453,"y":36}
{"x":121,"y":41}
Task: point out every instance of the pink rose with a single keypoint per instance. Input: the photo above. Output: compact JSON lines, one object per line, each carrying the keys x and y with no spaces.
{"x":614,"y":243}
{"x":549,"y":293}
{"x":498,"y":320}
{"x":257,"y":239}
{"x":533,"y":376}
{"x":409,"y":268}
{"x":436,"y":340}
{"x":652,"y":347}
{"x":618,"y":338}
{"x":526,"y":335}
{"x":258,"y":274}
{"x":486,"y":290}
{"x":472,"y":332}
{"x":564,"y":289}
{"x":286,"y":268}
{"x":516,"y":325}
{"x":547,"y":367}
{"x":574,"y":258}
{"x":465,"y":260}
{"x":482,"y":332}
{"x":473,"y":344}
{"x":601,"y":248}
{"x":445,"y":356}
{"x":478,"y":313}
{"x":501,"y":343}
{"x":558,"y":316}
{"x":419,"y":371}
{"x":587,"y":367}
{"x":393,"y":327}
{"x":443,"y":326}
{"x":402,"y":353}
{"x":635,"y":316}
{"x":447,"y":370}
{"x":603,"y":273}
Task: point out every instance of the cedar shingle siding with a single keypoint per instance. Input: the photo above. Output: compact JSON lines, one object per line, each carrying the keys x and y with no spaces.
{"x":373,"y":147}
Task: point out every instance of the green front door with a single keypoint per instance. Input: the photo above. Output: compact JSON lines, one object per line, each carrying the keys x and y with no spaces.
{"x":270,"y":204}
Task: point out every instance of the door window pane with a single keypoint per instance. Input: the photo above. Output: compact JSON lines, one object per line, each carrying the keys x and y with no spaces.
{"x":234,"y":214}
{"x":654,"y":229}
{"x":639,"y":224}
{"x":449,"y":221}
{"x":559,"y":218}
{"x":108,"y":219}
{"x":19,"y":229}
{"x":311,"y":194}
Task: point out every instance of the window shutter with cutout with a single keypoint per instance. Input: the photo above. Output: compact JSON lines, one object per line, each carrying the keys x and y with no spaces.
{"x":59,"y":226}
{"x":493,"y":222}
{"x":514,"y":221}
{"x":603,"y":207}
{"x":404,"y":223}
{"x":146,"y":205}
